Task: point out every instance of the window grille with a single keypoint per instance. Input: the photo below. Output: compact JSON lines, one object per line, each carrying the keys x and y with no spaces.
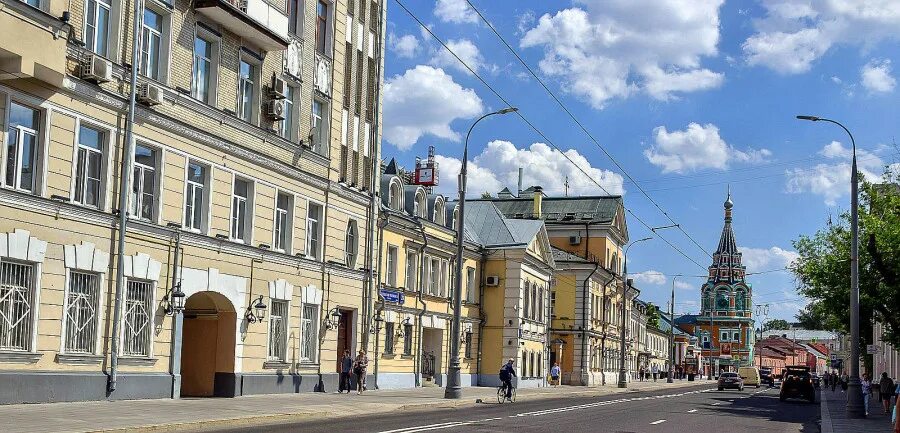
{"x":81,"y":312}
{"x":388,"y":337}
{"x":138,"y":318}
{"x":407,"y":339}
{"x":278,"y":330}
{"x":309,"y":330}
{"x":16,"y":302}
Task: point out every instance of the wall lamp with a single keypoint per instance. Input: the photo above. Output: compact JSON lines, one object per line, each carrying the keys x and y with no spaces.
{"x":332,"y":319}
{"x":174,"y":300}
{"x":256,"y":312}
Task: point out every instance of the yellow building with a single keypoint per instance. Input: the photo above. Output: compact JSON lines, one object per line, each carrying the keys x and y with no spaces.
{"x":254,"y":136}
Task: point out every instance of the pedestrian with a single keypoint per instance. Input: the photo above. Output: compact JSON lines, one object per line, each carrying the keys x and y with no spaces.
{"x":346,"y":371}
{"x":359,"y":369}
{"x":554,"y":374}
{"x":834,"y":380}
{"x":642,"y":373}
{"x":845,"y":380}
{"x":866,"y":384}
{"x":825,"y":379}
{"x":886,"y":387}
{"x":654,"y":370}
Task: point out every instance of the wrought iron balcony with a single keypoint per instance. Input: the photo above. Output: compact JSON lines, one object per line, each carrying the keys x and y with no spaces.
{"x":255,"y":20}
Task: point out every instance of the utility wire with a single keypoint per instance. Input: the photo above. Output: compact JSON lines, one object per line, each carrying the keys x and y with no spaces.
{"x":538,"y":131}
{"x":584,"y":129}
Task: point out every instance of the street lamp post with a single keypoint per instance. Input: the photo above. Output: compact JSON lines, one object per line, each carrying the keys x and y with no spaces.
{"x":855,"y":407}
{"x":672,"y":332}
{"x":454,"y":381}
{"x":623,"y":380}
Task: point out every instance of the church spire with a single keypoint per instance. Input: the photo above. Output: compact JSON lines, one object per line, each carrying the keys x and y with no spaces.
{"x":727,"y":244}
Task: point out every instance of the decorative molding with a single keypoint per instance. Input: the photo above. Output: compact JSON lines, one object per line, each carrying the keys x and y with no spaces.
{"x":137,"y":362}
{"x":142,"y":266}
{"x":311,"y":295}
{"x":281,"y":289}
{"x":276,"y":365}
{"x":86,"y":257}
{"x":78,"y":358}
{"x":19,"y":244}
{"x":20,"y":357}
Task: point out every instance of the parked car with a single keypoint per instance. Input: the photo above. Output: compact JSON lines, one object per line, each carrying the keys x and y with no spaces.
{"x":750,"y":375}
{"x":766,"y":376}
{"x":731,"y":380}
{"x":797,"y":382}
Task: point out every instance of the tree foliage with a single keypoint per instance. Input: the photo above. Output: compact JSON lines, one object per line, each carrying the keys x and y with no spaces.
{"x":486,"y":195}
{"x":776,"y":324}
{"x":823,"y":267}
{"x":652,"y":315}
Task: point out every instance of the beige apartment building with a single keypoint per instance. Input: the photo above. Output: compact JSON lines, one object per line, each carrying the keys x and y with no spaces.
{"x":248,"y":255}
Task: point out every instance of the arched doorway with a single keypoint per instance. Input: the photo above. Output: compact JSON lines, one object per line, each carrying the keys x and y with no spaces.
{"x":207,"y":347}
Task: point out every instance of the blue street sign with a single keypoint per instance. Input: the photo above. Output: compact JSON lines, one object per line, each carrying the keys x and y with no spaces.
{"x":392,"y":296}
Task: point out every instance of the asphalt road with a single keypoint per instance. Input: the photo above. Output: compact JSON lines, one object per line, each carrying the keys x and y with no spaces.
{"x":694,"y":410}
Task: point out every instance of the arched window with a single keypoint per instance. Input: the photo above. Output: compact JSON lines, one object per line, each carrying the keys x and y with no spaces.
{"x":394,"y":197}
{"x":739,"y":300}
{"x":439,"y":216}
{"x":534,"y":301}
{"x":721,"y":301}
{"x":526,"y":304}
{"x":419,"y":207}
{"x":614,"y":264}
{"x":456,"y":218}
{"x":351,"y":244}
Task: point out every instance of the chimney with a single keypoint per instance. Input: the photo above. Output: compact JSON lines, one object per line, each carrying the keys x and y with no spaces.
{"x":519,"y":192}
{"x":537,"y":198}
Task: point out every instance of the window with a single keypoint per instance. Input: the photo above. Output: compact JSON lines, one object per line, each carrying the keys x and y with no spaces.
{"x":194,"y":198}
{"x":202,"y":77}
{"x":540,"y":305}
{"x":321,"y":27}
{"x":392,"y":266}
{"x":407,"y":339}
{"x":470,"y":285}
{"x":419,"y":205}
{"x":143,"y":183}
{"x":348,"y":65}
{"x":309,"y":331}
{"x":96,"y":26}
{"x":724,"y":336}
{"x":526,"y":304}
{"x":438,"y":212}
{"x":553,"y":305}
{"x":370,"y":90}
{"x":435,"y":277}
{"x":138,"y":318}
{"x":82,"y":307}
{"x":278,"y":330}
{"x":88,"y":166}
{"x":721,"y":301}
{"x":389,"y":337}
{"x":313,"y":230}
{"x":411,"y":269}
{"x":283,"y":206}
{"x":394,"y":196}
{"x":16,"y":305}
{"x":320,"y":127}
{"x":468,"y":342}
{"x":240,"y":226}
{"x":444,"y":274}
{"x":736,"y":336}
{"x":287,"y":125}
{"x":359,"y":78}
{"x":351,"y":244}
{"x":295,"y":17}
{"x":247,"y":91}
{"x":21,"y":147}
{"x":151,"y":41}
{"x":33,"y":3}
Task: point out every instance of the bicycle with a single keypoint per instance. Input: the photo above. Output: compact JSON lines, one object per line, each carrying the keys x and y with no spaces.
{"x":501,"y":395}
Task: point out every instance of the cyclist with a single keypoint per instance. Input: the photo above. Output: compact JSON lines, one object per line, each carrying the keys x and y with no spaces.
{"x":507,"y":372}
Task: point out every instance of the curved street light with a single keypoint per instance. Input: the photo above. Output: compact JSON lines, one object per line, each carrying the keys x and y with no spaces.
{"x":623,"y":380}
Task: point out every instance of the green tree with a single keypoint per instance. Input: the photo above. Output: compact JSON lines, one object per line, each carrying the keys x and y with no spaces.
{"x":823,"y":267}
{"x":776,"y":324}
{"x":813,"y":316}
{"x":652,"y":315}
{"x":486,"y":195}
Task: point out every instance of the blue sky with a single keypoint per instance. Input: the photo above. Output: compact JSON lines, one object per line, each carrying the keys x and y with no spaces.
{"x":688,"y":97}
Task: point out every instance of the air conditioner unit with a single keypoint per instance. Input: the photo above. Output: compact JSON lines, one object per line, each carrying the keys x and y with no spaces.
{"x":275,"y":109}
{"x":96,"y":69}
{"x":149,"y":94}
{"x":278,"y":89}
{"x":492,"y":281}
{"x":575,"y":240}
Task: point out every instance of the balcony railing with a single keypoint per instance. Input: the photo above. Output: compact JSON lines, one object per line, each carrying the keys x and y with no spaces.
{"x":255,"y":20}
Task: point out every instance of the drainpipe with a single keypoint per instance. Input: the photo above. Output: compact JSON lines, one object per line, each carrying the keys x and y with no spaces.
{"x":124,"y":187}
{"x":585,"y":374}
{"x":420,"y":301}
{"x":603,"y":337}
{"x":177,"y":320}
{"x":481,"y":316}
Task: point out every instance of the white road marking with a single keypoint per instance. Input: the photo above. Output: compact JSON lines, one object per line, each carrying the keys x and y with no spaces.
{"x":658,"y":422}
{"x":716,"y":404}
{"x":692,"y":410}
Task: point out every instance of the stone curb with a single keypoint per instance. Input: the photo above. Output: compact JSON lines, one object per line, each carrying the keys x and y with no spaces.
{"x":825,"y":416}
{"x":202,"y":425}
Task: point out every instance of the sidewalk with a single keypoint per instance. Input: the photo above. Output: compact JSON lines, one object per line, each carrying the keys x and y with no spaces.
{"x":186,"y":414}
{"x":834,"y":415}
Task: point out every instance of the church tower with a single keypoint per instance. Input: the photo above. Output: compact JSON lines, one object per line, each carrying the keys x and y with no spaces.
{"x":725,"y":322}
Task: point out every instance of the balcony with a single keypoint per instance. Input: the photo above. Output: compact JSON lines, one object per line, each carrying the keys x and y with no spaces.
{"x":42,"y":55}
{"x":255,"y":20}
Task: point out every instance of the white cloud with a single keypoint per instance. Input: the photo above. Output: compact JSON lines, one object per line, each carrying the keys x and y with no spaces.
{"x":832,"y":180}
{"x":524,"y":22}
{"x":876,"y":76}
{"x":498,"y":163}
{"x":765,"y":259}
{"x":454,"y":11}
{"x":406,"y":46}
{"x":684,"y":285}
{"x":425,"y":100}
{"x":796,"y":33}
{"x":466,"y":50}
{"x":655,"y":278}
{"x":697,"y":147}
{"x":614,"y":49}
